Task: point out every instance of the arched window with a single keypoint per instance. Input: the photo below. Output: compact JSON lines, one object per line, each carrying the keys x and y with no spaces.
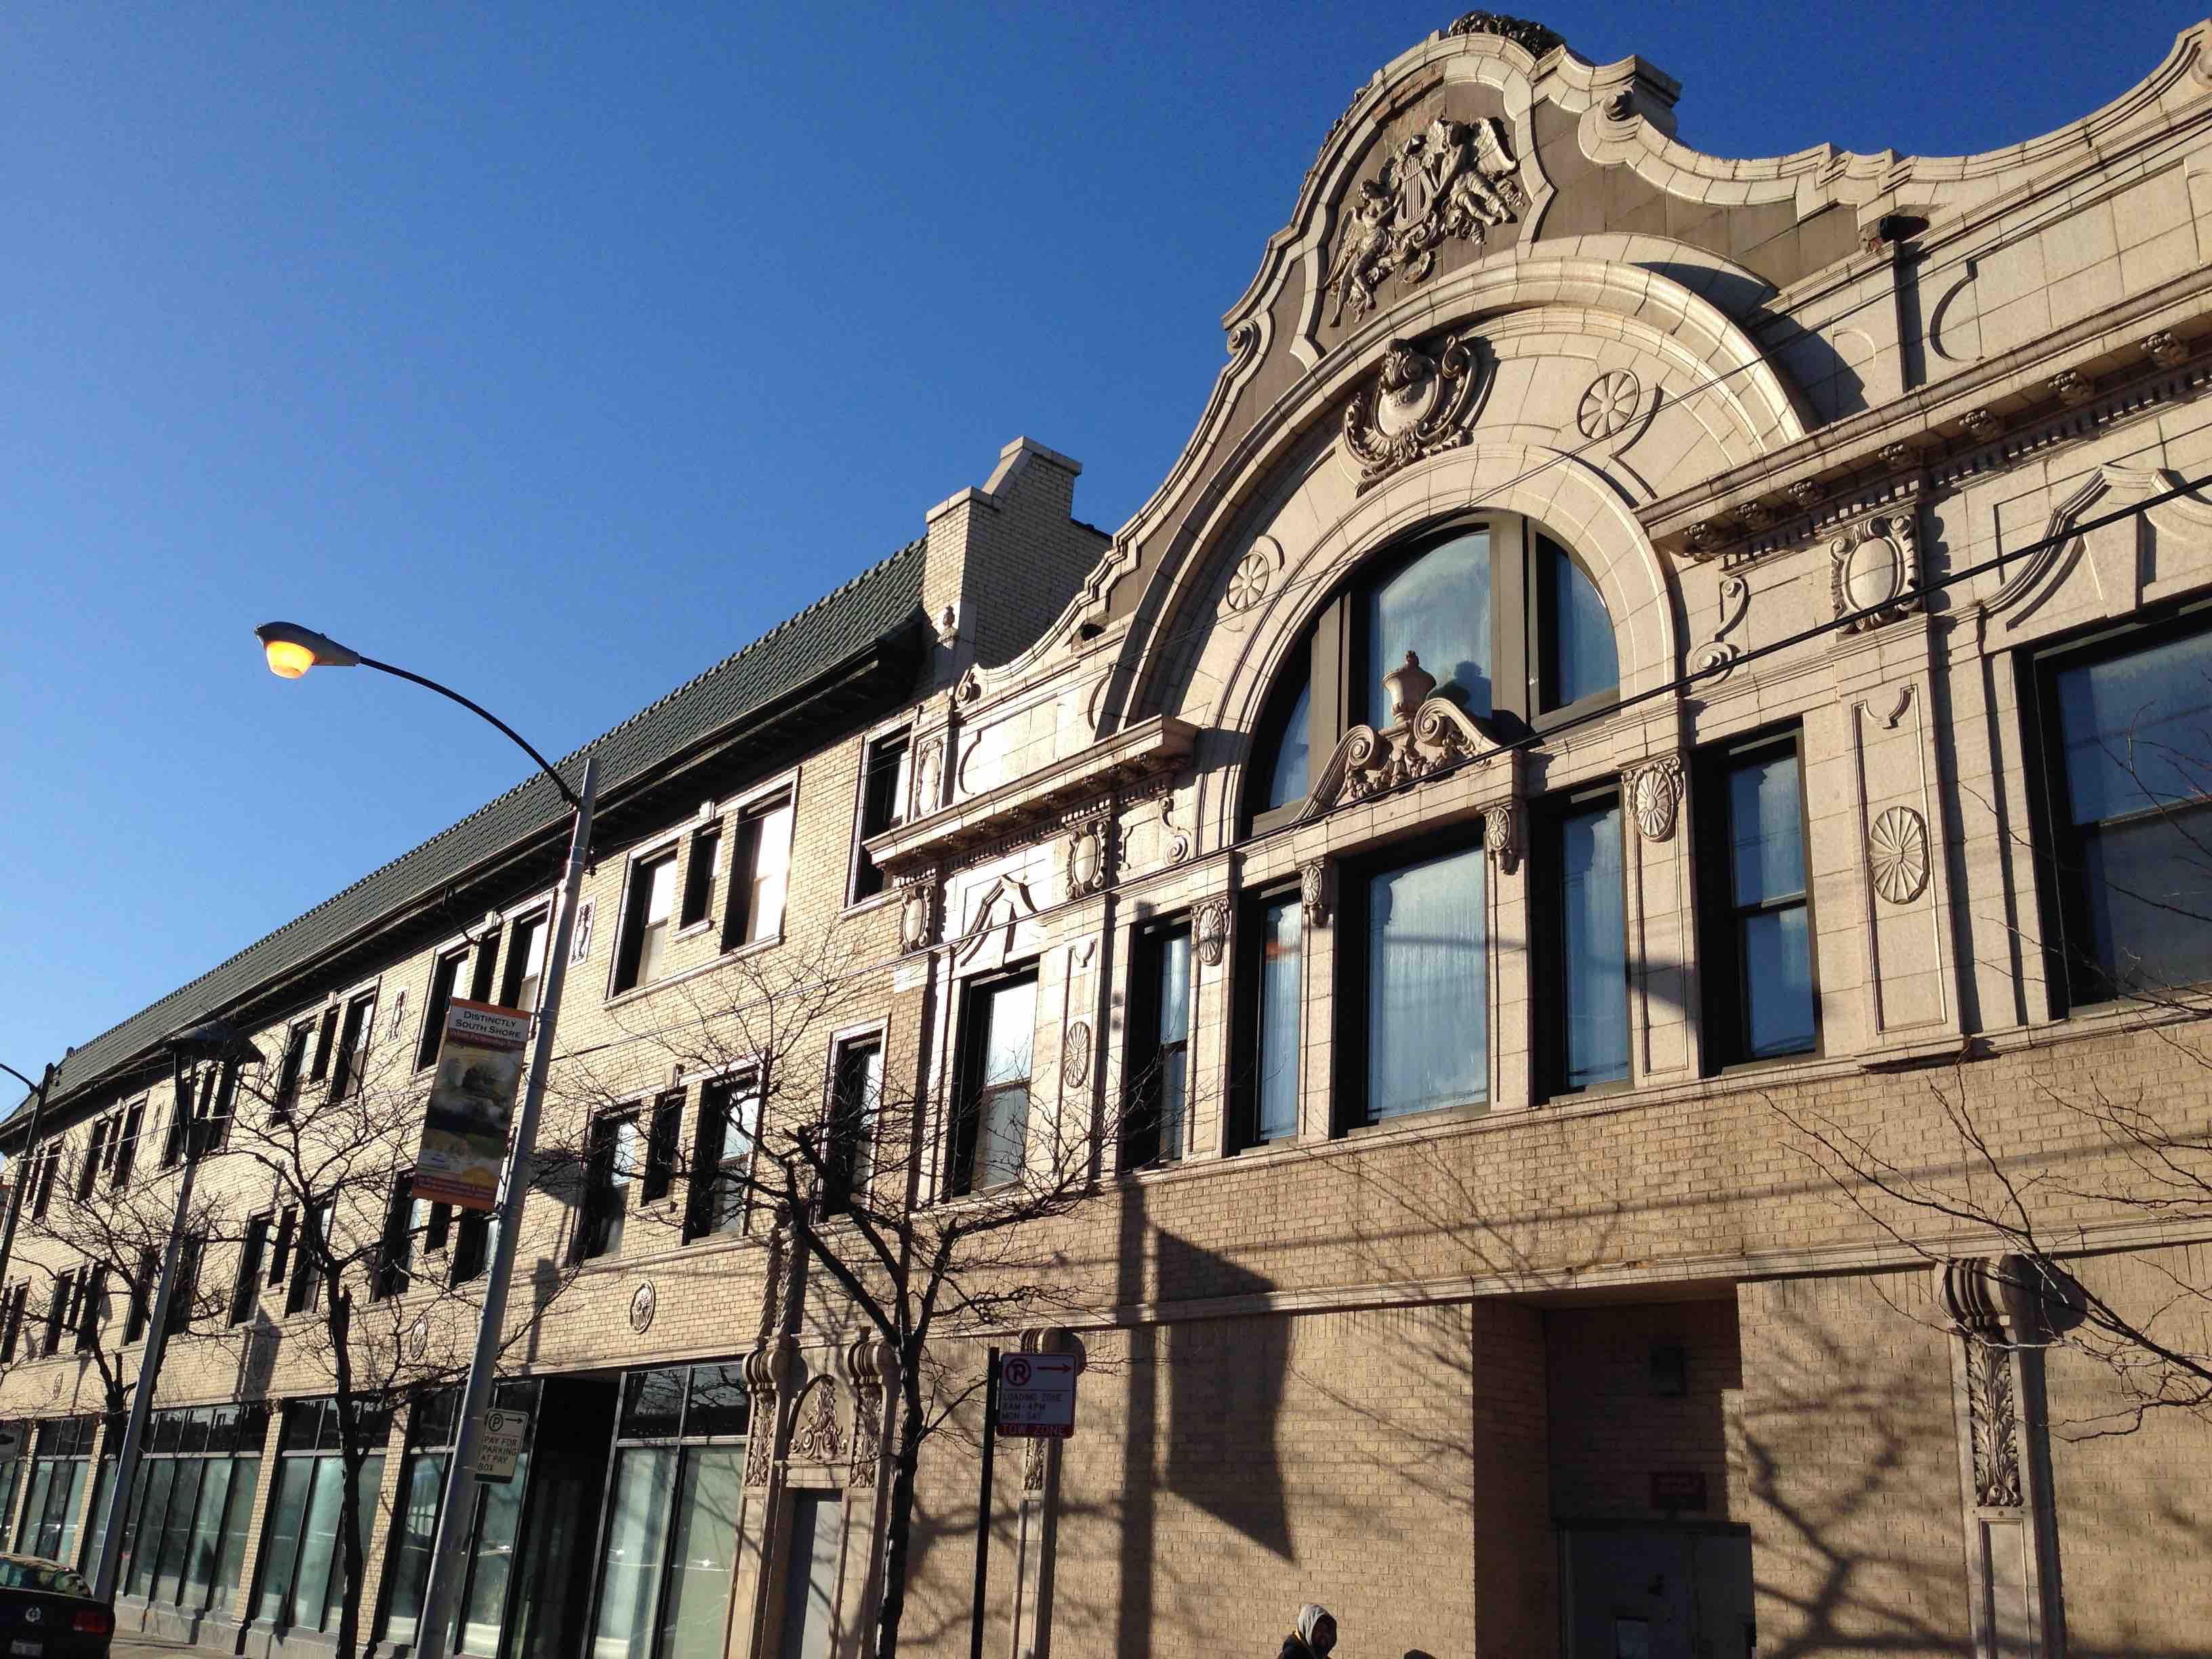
{"x":1502,"y":614}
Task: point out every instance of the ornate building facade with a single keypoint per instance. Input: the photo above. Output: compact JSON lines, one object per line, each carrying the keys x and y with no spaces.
{"x":1609,"y":877}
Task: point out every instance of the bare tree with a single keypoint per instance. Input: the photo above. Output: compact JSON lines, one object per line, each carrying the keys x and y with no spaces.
{"x":928,"y":1221}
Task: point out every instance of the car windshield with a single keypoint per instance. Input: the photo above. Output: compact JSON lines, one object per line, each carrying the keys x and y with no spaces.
{"x":41,"y":1575}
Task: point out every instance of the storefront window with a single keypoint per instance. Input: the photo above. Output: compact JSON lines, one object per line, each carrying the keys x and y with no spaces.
{"x":484,"y":1593}
{"x":59,"y":1471}
{"x":668,"y":1556}
{"x":303,"y":1575}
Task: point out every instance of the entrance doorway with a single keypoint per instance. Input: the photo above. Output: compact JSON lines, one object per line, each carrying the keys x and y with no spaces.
{"x":1656,"y":1593}
{"x":809,"y":1580}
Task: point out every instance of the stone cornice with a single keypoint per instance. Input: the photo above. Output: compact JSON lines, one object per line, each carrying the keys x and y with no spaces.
{"x":1142,"y":750}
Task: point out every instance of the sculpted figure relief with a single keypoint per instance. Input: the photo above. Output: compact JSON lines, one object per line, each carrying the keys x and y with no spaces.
{"x":1452,"y":178}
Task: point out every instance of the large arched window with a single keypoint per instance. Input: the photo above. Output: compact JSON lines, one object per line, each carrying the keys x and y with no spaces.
{"x":1497,"y":608}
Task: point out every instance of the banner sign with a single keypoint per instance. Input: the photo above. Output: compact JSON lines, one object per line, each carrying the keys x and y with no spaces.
{"x":472,"y":1095}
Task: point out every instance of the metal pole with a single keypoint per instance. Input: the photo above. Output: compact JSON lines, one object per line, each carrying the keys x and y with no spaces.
{"x":149,"y":1362}
{"x":984,"y":1506}
{"x":15,"y":1186}
{"x":457,"y":1509}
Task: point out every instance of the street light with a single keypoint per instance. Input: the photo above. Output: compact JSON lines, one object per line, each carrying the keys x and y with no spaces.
{"x":292,"y":651}
{"x":211,"y":1040}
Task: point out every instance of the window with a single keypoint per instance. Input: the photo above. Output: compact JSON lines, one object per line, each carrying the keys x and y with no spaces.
{"x":289,"y":1070}
{"x":395,"y":1251}
{"x":856,"y":1098}
{"x":1581,"y":931}
{"x":61,"y":1311}
{"x":301,"y":1571}
{"x":445,"y":977}
{"x":305,"y":1292}
{"x":280,"y":1251}
{"x":1508,"y":622}
{"x":473,"y":1235}
{"x":525,"y":963}
{"x":1160,"y":1049}
{"x":729,"y":1119}
{"x":191,"y":1249}
{"x":42,"y":1169}
{"x":646,"y":920}
{"x":92,"y":1306}
{"x":351,"y":1064}
{"x":1756,"y":926}
{"x":11,"y":1319}
{"x":483,"y":966}
{"x":327,"y":1037}
{"x":185,"y":1525}
{"x":699,"y":862}
{"x":122,"y":1147}
{"x":883,"y":784}
{"x":2127,"y":737}
{"x":1416,"y":966}
{"x":104,"y":1130}
{"x":616,"y":1161}
{"x":246,"y":1290}
{"x":992,"y":1128}
{"x":1271,"y":992}
{"x":142,"y":1286}
{"x":760,"y":875}
{"x":62,"y":1453}
{"x":670,"y":1541}
{"x":220,"y":1090}
{"x":492,"y":1546}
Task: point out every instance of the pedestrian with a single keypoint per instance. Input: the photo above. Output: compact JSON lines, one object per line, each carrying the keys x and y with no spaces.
{"x":1315,"y":1635}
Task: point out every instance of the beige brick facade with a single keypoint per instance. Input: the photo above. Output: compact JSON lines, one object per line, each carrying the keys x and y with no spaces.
{"x":1835,"y":445}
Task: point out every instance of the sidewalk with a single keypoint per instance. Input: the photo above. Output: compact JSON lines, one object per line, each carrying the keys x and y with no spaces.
{"x":148,"y":1647}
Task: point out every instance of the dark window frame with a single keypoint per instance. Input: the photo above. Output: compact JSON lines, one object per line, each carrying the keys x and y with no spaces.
{"x":246,"y":1288}
{"x":709,"y":1169}
{"x":349,"y":1061}
{"x":748,"y":835}
{"x":2074,"y":981}
{"x":1548,"y":962}
{"x":1724,"y":1039}
{"x":446,"y":971}
{"x":850,"y":1120}
{"x":1146,"y":1056}
{"x":514,"y":970}
{"x":703,"y":853}
{"x":881,"y":805}
{"x":1248,"y":957}
{"x":637,"y":898}
{"x":966,"y":1125}
{"x":597,"y":1235}
{"x":291,"y":1069}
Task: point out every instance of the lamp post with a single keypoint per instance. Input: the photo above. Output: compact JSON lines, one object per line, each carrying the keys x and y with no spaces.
{"x":15,"y":1186}
{"x":211,"y":1040}
{"x":292,"y":651}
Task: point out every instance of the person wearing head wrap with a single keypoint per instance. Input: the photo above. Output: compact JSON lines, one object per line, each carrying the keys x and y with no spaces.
{"x":1314,"y":1636}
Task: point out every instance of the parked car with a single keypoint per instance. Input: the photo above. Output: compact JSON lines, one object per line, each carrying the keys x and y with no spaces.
{"x":48,"y":1612}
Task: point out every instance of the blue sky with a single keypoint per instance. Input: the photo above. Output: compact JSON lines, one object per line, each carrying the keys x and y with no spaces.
{"x":558,"y":351}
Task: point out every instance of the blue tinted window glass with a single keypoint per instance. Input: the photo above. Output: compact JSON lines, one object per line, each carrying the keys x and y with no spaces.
{"x":1766,"y":843}
{"x":1280,"y":944}
{"x":1288,"y":782}
{"x":1778,"y":982}
{"x":1439,"y":607}
{"x":1427,"y":1021}
{"x":1594,"y":948}
{"x":2138,"y":730}
{"x":1581,"y":659}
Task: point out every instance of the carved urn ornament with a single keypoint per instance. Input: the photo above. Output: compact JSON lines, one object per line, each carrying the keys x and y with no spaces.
{"x":1409,"y":686}
{"x":1415,"y":406}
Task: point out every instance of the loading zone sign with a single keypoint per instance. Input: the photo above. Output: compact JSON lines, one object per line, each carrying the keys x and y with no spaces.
{"x":1036,"y":1395}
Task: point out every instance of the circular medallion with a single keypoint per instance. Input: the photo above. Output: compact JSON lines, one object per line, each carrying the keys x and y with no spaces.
{"x":1873,"y":572}
{"x":1075,"y":1056}
{"x":418,"y":1338}
{"x":1250,"y":581}
{"x":1897,"y":854}
{"x":1610,"y":403}
{"x":642,"y":1303}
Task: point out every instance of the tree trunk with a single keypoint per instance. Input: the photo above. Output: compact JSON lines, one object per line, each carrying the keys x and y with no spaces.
{"x":351,"y":1455}
{"x":898,"y":1521}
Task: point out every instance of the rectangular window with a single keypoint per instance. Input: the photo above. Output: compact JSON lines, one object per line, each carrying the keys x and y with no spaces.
{"x":246,"y":1292}
{"x":220,"y":1100}
{"x":661,"y":1147}
{"x":2127,"y":742}
{"x":126,"y":1146}
{"x":489,"y":1560}
{"x":647,"y":913}
{"x":483,"y":966}
{"x":760,"y":875}
{"x":699,"y":862}
{"x":45,"y":1171}
{"x":286,"y":1095}
{"x":991,"y":1126}
{"x":191,"y":1249}
{"x":617,"y":1160}
{"x":856,"y":1096}
{"x":444,"y":978}
{"x":1271,"y":985}
{"x":1157,"y":1113}
{"x":525,"y":963}
{"x":11,"y":1319}
{"x":472,"y":1241}
{"x":300,"y":1581}
{"x":729,"y":1117}
{"x":395,"y":1252}
{"x":92,"y":1307}
{"x":350,"y":1065}
{"x":1580,"y":932}
{"x":280,"y":1251}
{"x":1424,"y":1044}
{"x":103,"y":1134}
{"x":884,"y":783}
{"x":305,"y":1292}
{"x":61,"y":1307}
{"x":326,"y":1039}
{"x":1756,"y":921}
{"x":142,"y":1295}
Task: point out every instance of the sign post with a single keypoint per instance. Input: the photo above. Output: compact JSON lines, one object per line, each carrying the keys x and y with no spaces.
{"x":1029,"y":1396}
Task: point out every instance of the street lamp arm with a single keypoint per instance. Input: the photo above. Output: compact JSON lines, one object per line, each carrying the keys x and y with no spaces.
{"x":18,"y":1076}
{"x":543,"y":765}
